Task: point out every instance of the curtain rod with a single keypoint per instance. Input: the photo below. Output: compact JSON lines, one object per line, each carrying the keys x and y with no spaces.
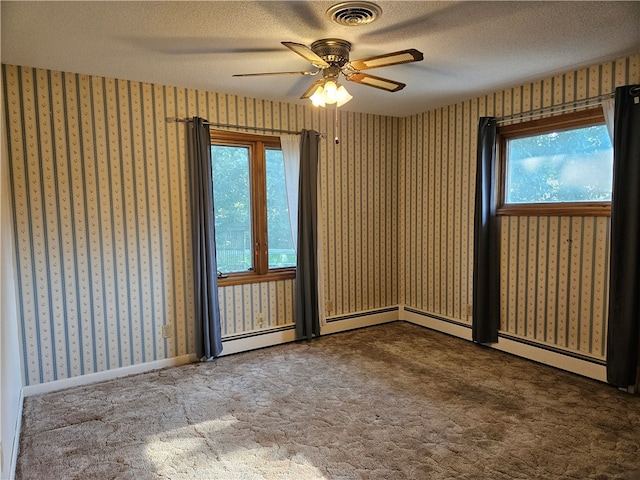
{"x":563,"y":107}
{"x":227,"y":125}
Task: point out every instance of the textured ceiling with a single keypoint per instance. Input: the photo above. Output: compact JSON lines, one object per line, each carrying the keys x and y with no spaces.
{"x":470,"y":48}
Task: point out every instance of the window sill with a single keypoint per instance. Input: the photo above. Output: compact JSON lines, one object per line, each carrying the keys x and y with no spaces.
{"x":251,"y":277}
{"x":574,"y":209}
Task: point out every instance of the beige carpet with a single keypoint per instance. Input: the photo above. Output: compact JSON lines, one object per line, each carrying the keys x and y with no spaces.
{"x":389,"y":402}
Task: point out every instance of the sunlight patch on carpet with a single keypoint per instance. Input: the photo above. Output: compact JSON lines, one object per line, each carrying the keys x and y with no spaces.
{"x":194,"y":450}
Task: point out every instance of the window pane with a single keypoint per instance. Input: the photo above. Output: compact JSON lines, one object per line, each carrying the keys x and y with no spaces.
{"x":568,"y":166}
{"x":281,"y":249}
{"x":232,"y":200}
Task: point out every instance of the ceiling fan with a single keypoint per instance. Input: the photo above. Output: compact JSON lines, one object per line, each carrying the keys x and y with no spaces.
{"x":331,"y":57}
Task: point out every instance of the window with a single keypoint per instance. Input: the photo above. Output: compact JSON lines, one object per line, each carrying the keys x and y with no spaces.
{"x":253,"y":231}
{"x":556,"y":166}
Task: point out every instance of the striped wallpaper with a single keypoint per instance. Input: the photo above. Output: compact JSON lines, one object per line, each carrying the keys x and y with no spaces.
{"x":359,"y":200}
{"x":242,"y":305}
{"x":98,"y":181}
{"x":554,"y":279}
{"x":101,"y":219}
{"x":554,"y":270}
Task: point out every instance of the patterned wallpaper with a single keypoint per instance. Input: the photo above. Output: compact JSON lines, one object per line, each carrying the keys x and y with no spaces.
{"x":555,"y":273}
{"x":360,"y":204}
{"x":242,"y":305}
{"x":554,"y":270}
{"x":101,"y":218}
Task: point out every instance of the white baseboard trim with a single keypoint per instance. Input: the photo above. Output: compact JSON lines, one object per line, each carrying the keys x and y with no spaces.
{"x":15,"y":447}
{"x":571,"y":364}
{"x":539,"y":354}
{"x":336,"y":324}
{"x":106,"y":375}
{"x":448,"y":326}
{"x":257,"y":340}
{"x":230,"y":346}
{"x":368,"y":318}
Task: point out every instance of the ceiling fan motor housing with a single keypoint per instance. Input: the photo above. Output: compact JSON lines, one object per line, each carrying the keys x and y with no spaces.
{"x":334,"y":51}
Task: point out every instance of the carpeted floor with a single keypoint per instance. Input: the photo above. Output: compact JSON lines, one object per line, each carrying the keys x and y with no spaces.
{"x":390,"y":402}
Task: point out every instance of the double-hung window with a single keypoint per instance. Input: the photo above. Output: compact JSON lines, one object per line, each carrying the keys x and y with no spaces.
{"x":561,"y":165}
{"x":253,"y":230}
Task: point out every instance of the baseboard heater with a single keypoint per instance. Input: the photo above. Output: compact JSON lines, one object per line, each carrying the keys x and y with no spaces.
{"x":256,"y":333}
{"x":551,"y":348}
{"x":361,"y":314}
{"x":551,"y":355}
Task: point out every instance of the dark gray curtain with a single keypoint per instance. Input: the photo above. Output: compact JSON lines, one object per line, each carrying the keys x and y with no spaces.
{"x":623,"y":338}
{"x":486,"y":307}
{"x":307,"y":314}
{"x":205,"y":285}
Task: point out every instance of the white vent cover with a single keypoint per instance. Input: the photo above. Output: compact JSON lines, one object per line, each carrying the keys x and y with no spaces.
{"x":353,"y":14}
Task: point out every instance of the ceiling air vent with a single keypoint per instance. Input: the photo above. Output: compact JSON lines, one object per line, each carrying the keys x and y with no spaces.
{"x":353,"y":14}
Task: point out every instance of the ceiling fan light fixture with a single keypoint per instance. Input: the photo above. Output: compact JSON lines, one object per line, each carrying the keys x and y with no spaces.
{"x":329,"y":93}
{"x":318,"y":98}
{"x":343,"y":96}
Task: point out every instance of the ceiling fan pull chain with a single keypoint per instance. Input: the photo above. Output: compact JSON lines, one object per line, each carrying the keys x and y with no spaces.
{"x":335,"y":127}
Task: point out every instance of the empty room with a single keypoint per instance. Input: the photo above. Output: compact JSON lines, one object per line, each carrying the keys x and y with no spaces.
{"x":320,"y":240}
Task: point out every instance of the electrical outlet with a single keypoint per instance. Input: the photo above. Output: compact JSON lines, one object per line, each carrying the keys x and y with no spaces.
{"x":469,"y":310}
{"x":166,"y":331}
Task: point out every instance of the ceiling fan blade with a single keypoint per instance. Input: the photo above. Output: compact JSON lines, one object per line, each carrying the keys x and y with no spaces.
{"x":306,"y":53}
{"x":377,"y":82}
{"x":273,"y":73}
{"x":309,"y":91}
{"x":395,"y":58}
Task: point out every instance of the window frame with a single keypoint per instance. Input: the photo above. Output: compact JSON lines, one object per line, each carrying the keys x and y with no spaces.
{"x":568,"y":121}
{"x":257,"y":146}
